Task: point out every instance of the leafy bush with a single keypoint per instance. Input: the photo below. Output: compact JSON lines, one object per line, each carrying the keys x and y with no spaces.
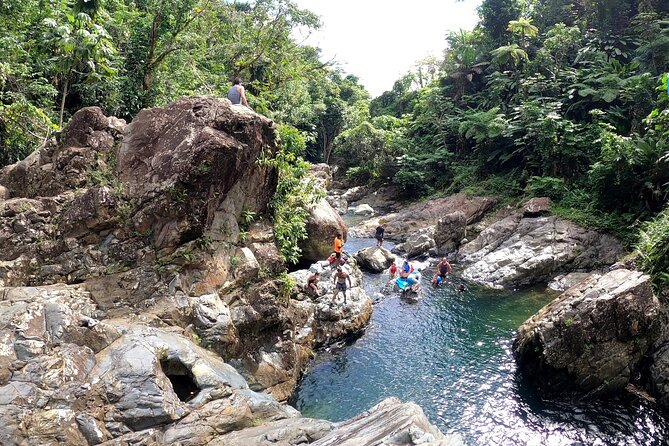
{"x":653,"y":249}
{"x":294,"y":194}
{"x":23,"y":128}
{"x":551,"y":187}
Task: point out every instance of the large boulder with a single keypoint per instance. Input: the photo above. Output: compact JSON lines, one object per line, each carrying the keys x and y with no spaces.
{"x":364,"y":210}
{"x":323,"y":224}
{"x":519,"y":251}
{"x":537,"y":206}
{"x":339,"y":203}
{"x":417,"y":244}
{"x":449,"y":231}
{"x":591,"y":339}
{"x":323,"y":175}
{"x":374,"y":259}
{"x":563,"y":282}
{"x":69,"y":163}
{"x":193,"y":166}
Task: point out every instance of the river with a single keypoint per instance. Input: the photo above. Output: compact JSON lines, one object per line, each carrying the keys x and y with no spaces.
{"x":451,"y":354}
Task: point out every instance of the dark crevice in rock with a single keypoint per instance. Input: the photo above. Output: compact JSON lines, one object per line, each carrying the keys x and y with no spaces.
{"x":181,"y":378}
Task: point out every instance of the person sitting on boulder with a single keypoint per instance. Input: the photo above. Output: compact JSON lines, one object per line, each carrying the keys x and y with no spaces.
{"x":392,"y":271}
{"x":236,"y":93}
{"x":338,"y":248}
{"x":312,"y":284}
{"x":380,"y":231}
{"x":340,"y":279}
{"x":443,"y":269}
{"x":406,"y":269}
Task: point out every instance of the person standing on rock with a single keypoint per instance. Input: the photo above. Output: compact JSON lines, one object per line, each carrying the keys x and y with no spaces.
{"x":380,"y":231}
{"x":340,"y":279}
{"x":443,"y":270}
{"x":236,"y":93}
{"x":338,"y":248}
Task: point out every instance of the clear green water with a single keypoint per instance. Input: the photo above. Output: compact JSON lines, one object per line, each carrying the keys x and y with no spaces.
{"x":451,"y":354}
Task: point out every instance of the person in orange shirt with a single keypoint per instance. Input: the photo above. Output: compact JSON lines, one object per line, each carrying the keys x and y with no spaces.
{"x":338,"y":248}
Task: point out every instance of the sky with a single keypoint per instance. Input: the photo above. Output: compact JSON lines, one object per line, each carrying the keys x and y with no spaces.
{"x":379,"y":41}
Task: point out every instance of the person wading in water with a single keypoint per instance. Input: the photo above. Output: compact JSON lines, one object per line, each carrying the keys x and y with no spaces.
{"x":443,"y":270}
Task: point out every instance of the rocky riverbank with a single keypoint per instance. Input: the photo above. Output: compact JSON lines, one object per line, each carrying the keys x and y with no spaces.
{"x":605,"y":332}
{"x":138,"y":303}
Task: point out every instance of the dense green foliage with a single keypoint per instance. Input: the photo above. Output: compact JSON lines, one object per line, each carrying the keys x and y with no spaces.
{"x":123,"y":55}
{"x":295,"y":193}
{"x":653,"y":248}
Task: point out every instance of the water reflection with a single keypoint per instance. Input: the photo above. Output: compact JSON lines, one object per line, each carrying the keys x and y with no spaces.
{"x":451,"y":353}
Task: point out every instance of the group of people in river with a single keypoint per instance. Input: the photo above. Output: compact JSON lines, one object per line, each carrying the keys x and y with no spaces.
{"x":405,"y":276}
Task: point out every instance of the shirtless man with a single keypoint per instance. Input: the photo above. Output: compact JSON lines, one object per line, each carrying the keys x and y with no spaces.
{"x":340,"y":279}
{"x":443,"y":270}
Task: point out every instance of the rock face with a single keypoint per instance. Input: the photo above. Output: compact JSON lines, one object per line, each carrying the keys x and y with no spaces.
{"x":323,"y":224}
{"x":517,"y":251}
{"x":565,"y":281}
{"x":374,"y":259}
{"x":323,"y":174}
{"x":389,"y":422}
{"x":74,"y":379}
{"x":419,"y":243}
{"x":659,"y":374}
{"x":184,"y":153}
{"x":186,"y":172}
{"x":449,"y":232}
{"x":591,"y":339}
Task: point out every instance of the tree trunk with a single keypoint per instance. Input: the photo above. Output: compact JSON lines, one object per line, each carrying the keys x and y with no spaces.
{"x":62,"y":101}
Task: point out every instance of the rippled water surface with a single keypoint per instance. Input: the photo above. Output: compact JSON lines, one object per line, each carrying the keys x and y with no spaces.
{"x":451,"y":354}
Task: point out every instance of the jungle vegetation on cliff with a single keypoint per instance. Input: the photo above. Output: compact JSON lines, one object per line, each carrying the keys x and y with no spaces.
{"x":558,"y":98}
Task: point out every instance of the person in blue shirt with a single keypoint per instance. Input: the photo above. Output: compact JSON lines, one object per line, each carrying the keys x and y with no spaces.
{"x":406,"y":269}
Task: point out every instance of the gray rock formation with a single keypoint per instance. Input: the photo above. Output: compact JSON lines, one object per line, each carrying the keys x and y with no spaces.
{"x":591,"y":339}
{"x":363,"y":210}
{"x":339,"y":199}
{"x":323,"y":174}
{"x":400,"y":225}
{"x":338,"y":203}
{"x":418,"y":243}
{"x":659,"y":374}
{"x":563,"y":282}
{"x":390,"y":423}
{"x":374,"y":259}
{"x":517,"y":251}
{"x":449,"y":231}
